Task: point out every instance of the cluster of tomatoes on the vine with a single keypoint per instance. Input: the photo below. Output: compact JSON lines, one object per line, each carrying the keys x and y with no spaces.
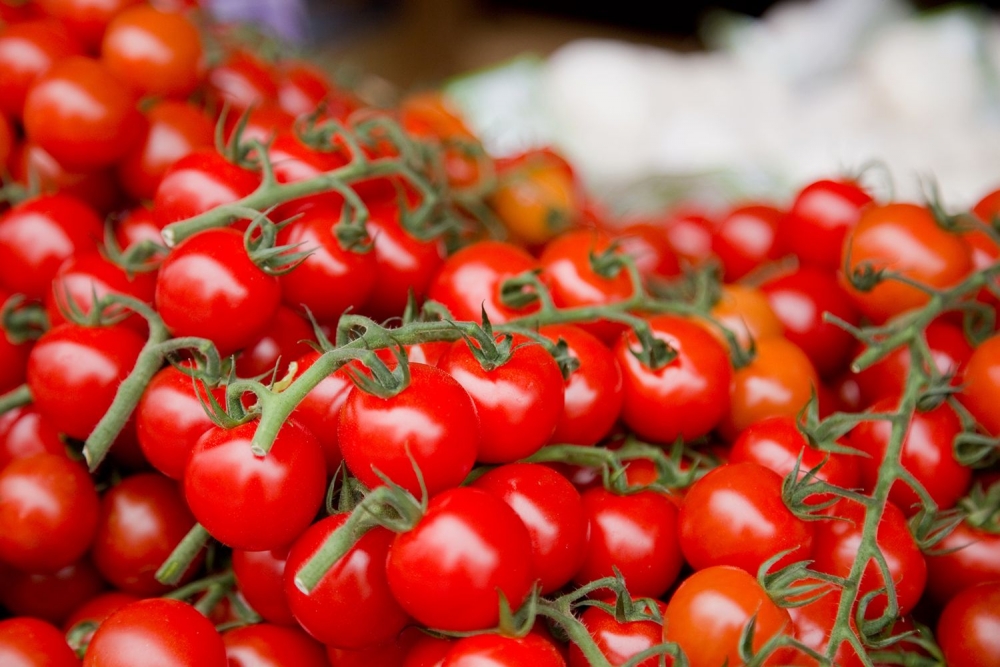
{"x":352,"y":392}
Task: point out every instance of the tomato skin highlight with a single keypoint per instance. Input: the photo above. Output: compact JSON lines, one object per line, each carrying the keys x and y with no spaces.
{"x":981,"y":386}
{"x":819,"y":220}
{"x":967,"y":627}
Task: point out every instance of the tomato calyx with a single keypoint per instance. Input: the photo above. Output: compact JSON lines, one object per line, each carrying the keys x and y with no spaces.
{"x":21,"y":321}
{"x":981,"y":508}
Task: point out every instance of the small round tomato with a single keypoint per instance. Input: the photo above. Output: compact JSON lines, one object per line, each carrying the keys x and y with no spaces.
{"x":470,"y":281}
{"x":650,"y":565}
{"x":735,"y":515}
{"x":707,"y":614}
{"x":518,"y":402}
{"x":260,"y":579}
{"x":593,"y":393}
{"x":799,"y":300}
{"x":242,"y":81}
{"x":154,"y":52}
{"x":97,"y":188}
{"x":254,"y":502}
{"x":87,"y":276}
{"x":618,"y":642}
{"x":351,"y":606}
{"x":813,"y":624}
{"x":74,"y":373}
{"x":28,"y":50}
{"x":302,"y":87}
{"x":779,"y":381}
{"x":499,"y":651}
{"x":48,"y":513}
{"x":50,"y":597}
{"x":174,"y":129}
{"x":95,"y":611}
{"x":690,"y":236}
{"x":198,"y":182}
{"x":29,"y":641}
{"x":135,"y":226}
{"x":156,"y":631}
{"x":38,"y":235}
{"x":285,"y":339}
{"x":433,"y":420}
{"x":81,"y":114}
{"x":551,"y":510}
{"x":85,"y":19}
{"x":647,"y":245}
{"x":388,"y":654}
{"x":448,"y":570}
{"x":27,"y":434}
{"x":835,"y":549}
{"x":535,"y":199}
{"x":320,"y":410}
{"x":966,"y":630}
{"x":209,"y":287}
{"x":746,"y":312}
{"x":266,"y":645}
{"x":686,"y":398}
{"x":746,"y":238}
{"x":965,"y":557}
{"x":142,"y":520}
{"x":904,"y":239}
{"x":928,"y":455}
{"x":981,"y":385}
{"x":820,"y":218}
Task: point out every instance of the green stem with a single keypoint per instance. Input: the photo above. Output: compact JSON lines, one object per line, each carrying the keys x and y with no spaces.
{"x":183,"y":555}
{"x":15,"y":398}
{"x":225,"y":580}
{"x":577,"y":632}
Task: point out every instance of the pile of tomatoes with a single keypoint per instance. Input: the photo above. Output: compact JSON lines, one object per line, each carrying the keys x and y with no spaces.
{"x":290,"y":379}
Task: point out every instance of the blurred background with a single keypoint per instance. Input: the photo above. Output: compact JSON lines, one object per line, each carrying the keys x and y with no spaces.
{"x":703,"y":99}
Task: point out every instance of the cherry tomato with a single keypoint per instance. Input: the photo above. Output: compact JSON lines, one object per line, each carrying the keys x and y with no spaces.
{"x":174,"y":130}
{"x":242,"y":81}
{"x":927,"y":455}
{"x":779,"y":381}
{"x":81,"y":114}
{"x":835,"y":548}
{"x":74,"y":373}
{"x":690,"y":236}
{"x":198,"y":182}
{"x":28,"y":50}
{"x":821,"y":216}
{"x":266,"y":645}
{"x":552,"y":512}
{"x":29,"y":641}
{"x":708,"y":611}
{"x":260,"y":579}
{"x":302,"y":87}
{"x":285,"y":339}
{"x":470,"y":281}
{"x":268,"y":124}
{"x":686,"y":398}
{"x":647,"y":245}
{"x":535,"y":200}
{"x":37,"y":235}
{"x":981,"y":385}
{"x":97,"y":188}
{"x":255,"y":502}
{"x":27,"y":434}
{"x":156,"y":631}
{"x":320,"y":410}
{"x":95,"y":611}
{"x":746,"y":312}
{"x":746,"y":238}
{"x":966,"y":628}
{"x":50,"y":597}
{"x":142,"y":519}
{"x":650,"y":565}
{"x":500,"y":651}
{"x":813,"y":624}
{"x":352,"y":606}
{"x":965,"y":557}
{"x":154,"y":52}
{"x":85,"y":19}
{"x":618,"y":642}
{"x":389,"y":654}
{"x":87,"y":276}
{"x":48,"y":513}
{"x":799,"y":300}
{"x":905,"y":239}
{"x":209,"y":287}
{"x":135,"y":226}
{"x":433,"y":420}
{"x":448,"y":570}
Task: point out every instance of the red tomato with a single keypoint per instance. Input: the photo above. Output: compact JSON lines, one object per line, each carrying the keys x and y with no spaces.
{"x":927,"y":454}
{"x":708,"y":611}
{"x":27,"y":434}
{"x":97,"y":188}
{"x":777,"y":443}
{"x":320,"y":410}
{"x":156,"y":631}
{"x":48,"y":513}
{"x":242,"y":81}
{"x":799,"y":299}
{"x":6,"y":139}
{"x":142,"y":519}
{"x":85,"y":19}
{"x":352,"y":606}
{"x":433,"y":420}
{"x":209,"y":287}
{"x":686,"y":398}
{"x":903,"y":238}
{"x":50,"y":597}
{"x":470,"y":281}
{"x":447,"y":570}
{"x":835,"y":548}
{"x":819,"y":220}
{"x":260,"y":579}
{"x":746,"y":238}
{"x":198,"y":182}
{"x":966,"y":630}
{"x":37,"y":235}
{"x":154,"y":52}
{"x":135,"y":226}
{"x":96,"y":610}
{"x":551,"y":510}
{"x":89,"y":275}
{"x":29,"y":641}
{"x":255,"y":502}
{"x":389,"y":654}
{"x":813,"y":624}
{"x":175,"y":129}
{"x":266,"y":645}
{"x":735,"y":515}
{"x":81,"y":114}
{"x":745,"y":311}
{"x":332,"y":279}
{"x":519,"y":402}
{"x":690,"y":236}
{"x":618,"y":642}
{"x":981,"y":385}
{"x":268,"y":124}
{"x":965,"y":557}
{"x":74,"y":373}
{"x":427,"y":651}
{"x":284,"y":340}
{"x":302,"y":87}
{"x":500,"y":651}
{"x":648,"y":247}
{"x":28,"y":50}
{"x":649,"y":564}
